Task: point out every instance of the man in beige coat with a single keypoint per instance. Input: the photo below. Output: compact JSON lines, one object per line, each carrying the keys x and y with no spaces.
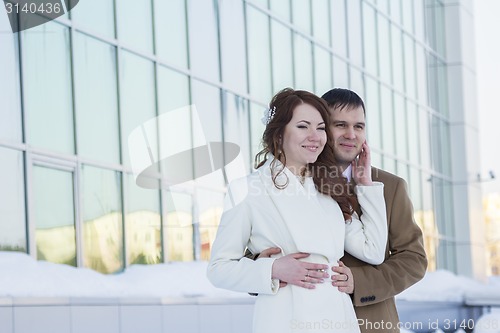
{"x":373,"y":288}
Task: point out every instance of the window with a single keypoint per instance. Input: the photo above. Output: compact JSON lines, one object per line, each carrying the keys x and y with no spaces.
{"x":54,"y":214}
{"x":102,"y":234}
{"x":12,"y":205}
{"x":135,"y":26}
{"x":96,"y":99}
{"x":47,"y":87}
{"x":179,"y":226}
{"x":303,"y":63}
{"x":282,"y":58}
{"x":96,"y":15}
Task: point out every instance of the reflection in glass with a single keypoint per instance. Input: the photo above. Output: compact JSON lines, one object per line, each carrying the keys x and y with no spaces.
{"x":259,"y":66}
{"x":96,"y":99}
{"x":370,"y":39}
{"x":54,"y":215}
{"x":10,"y":95}
{"x":12,"y":206}
{"x":102,"y":234}
{"x":339,"y":33}
{"x":235,"y":123}
{"x":388,"y":123}
{"x":400,"y":126}
{"x":413,"y":133}
{"x":210,"y":206}
{"x":322,"y":70}
{"x":281,"y":56}
{"x":95,"y":15}
{"x":203,"y":39}
{"x":233,"y":49}
{"x":47,"y":87}
{"x":321,"y":21}
{"x":143,"y":224}
{"x":135,"y":26}
{"x":303,"y":62}
{"x":171,"y":31}
{"x":301,"y":15}
{"x":137,"y":96}
{"x":179,"y":227}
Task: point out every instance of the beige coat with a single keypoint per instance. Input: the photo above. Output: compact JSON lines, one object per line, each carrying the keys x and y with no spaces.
{"x":297,"y":219}
{"x":405,"y":263}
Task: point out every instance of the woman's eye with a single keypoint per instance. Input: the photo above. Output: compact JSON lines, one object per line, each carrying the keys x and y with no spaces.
{"x":322,"y":128}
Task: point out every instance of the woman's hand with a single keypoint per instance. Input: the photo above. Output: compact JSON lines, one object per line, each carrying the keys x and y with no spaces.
{"x":289,"y":269}
{"x":361,"y":167}
{"x":344,"y":279}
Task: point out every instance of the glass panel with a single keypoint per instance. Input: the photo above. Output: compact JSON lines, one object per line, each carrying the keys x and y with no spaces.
{"x":207,"y":98}
{"x":430,"y":229}
{"x":421,"y":70}
{"x":137,"y":105}
{"x":210,"y":206}
{"x":47,"y":87}
{"x":281,"y":8}
{"x":135,"y":26}
{"x":10,"y":95}
{"x":388,"y":120}
{"x":373,"y":121}
{"x":175,"y":120}
{"x":54,"y":215}
{"x":354,"y":32}
{"x":410,"y":66}
{"x":233,"y":52}
{"x":303,"y":63}
{"x":397,"y":58}
{"x":321,"y":21}
{"x":383,"y":6}
{"x":96,"y":98}
{"x":376,"y":159}
{"x":322,"y":70}
{"x":259,"y":66}
{"x":389,"y":164}
{"x":256,"y":129}
{"x":370,"y":39}
{"x":400,"y":126}
{"x":179,"y":227}
{"x":356,"y":82}
{"x":301,"y":11}
{"x":282,"y":56}
{"x":402,"y":170}
{"x":203,"y":39}
{"x":143,"y":224}
{"x":419,"y":20}
{"x":424,"y":135}
{"x":102,"y":233}
{"x":236,"y":128}
{"x":408,"y":12}
{"x":171,"y":31}
{"x":96,"y":15}
{"x":339,"y":33}
{"x":384,"y":49}
{"x":396,"y":10}
{"x":340,"y":73}
{"x":413,"y":133}
{"x":12,"y":206}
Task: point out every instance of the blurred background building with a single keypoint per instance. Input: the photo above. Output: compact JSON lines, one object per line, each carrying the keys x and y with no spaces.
{"x":72,"y":90}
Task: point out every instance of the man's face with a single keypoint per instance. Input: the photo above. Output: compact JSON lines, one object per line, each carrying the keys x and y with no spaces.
{"x":348,"y":129}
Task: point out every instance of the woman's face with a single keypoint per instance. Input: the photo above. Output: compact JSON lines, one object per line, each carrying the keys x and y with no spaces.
{"x":304,"y":137}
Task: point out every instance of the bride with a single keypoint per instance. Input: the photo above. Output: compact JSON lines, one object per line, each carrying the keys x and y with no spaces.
{"x":297,"y":202}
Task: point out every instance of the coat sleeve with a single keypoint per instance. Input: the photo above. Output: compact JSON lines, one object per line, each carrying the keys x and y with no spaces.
{"x":228,"y":268}
{"x":366,"y":238}
{"x":406,"y":263}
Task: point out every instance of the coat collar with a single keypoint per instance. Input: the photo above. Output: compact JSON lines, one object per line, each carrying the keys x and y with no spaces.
{"x":309,"y":216}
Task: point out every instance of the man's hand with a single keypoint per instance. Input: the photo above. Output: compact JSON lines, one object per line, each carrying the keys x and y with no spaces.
{"x":344,"y":279}
{"x":289,"y":269}
{"x":361,"y":167}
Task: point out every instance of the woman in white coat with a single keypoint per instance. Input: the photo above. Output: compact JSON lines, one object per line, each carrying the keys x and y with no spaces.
{"x":287,"y":203}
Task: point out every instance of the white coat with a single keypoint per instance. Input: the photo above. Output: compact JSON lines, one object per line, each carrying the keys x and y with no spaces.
{"x":257,"y":215}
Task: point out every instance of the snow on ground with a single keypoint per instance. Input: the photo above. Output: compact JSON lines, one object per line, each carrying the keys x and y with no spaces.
{"x":21,"y":276}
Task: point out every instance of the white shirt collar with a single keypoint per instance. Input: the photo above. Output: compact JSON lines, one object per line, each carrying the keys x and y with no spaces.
{"x":348,"y":173}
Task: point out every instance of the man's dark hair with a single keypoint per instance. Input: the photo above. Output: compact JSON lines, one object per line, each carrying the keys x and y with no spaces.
{"x":339,"y":98}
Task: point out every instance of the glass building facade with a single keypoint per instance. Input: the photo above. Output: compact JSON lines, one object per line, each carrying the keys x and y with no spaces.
{"x":74,"y":89}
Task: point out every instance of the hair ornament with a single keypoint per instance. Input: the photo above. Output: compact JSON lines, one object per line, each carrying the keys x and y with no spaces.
{"x":268,"y":115}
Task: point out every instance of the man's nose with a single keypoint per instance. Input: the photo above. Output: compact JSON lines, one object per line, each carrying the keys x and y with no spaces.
{"x":349,"y":133}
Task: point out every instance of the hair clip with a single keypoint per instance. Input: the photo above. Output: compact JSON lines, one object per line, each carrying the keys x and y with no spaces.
{"x":268,"y":115}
